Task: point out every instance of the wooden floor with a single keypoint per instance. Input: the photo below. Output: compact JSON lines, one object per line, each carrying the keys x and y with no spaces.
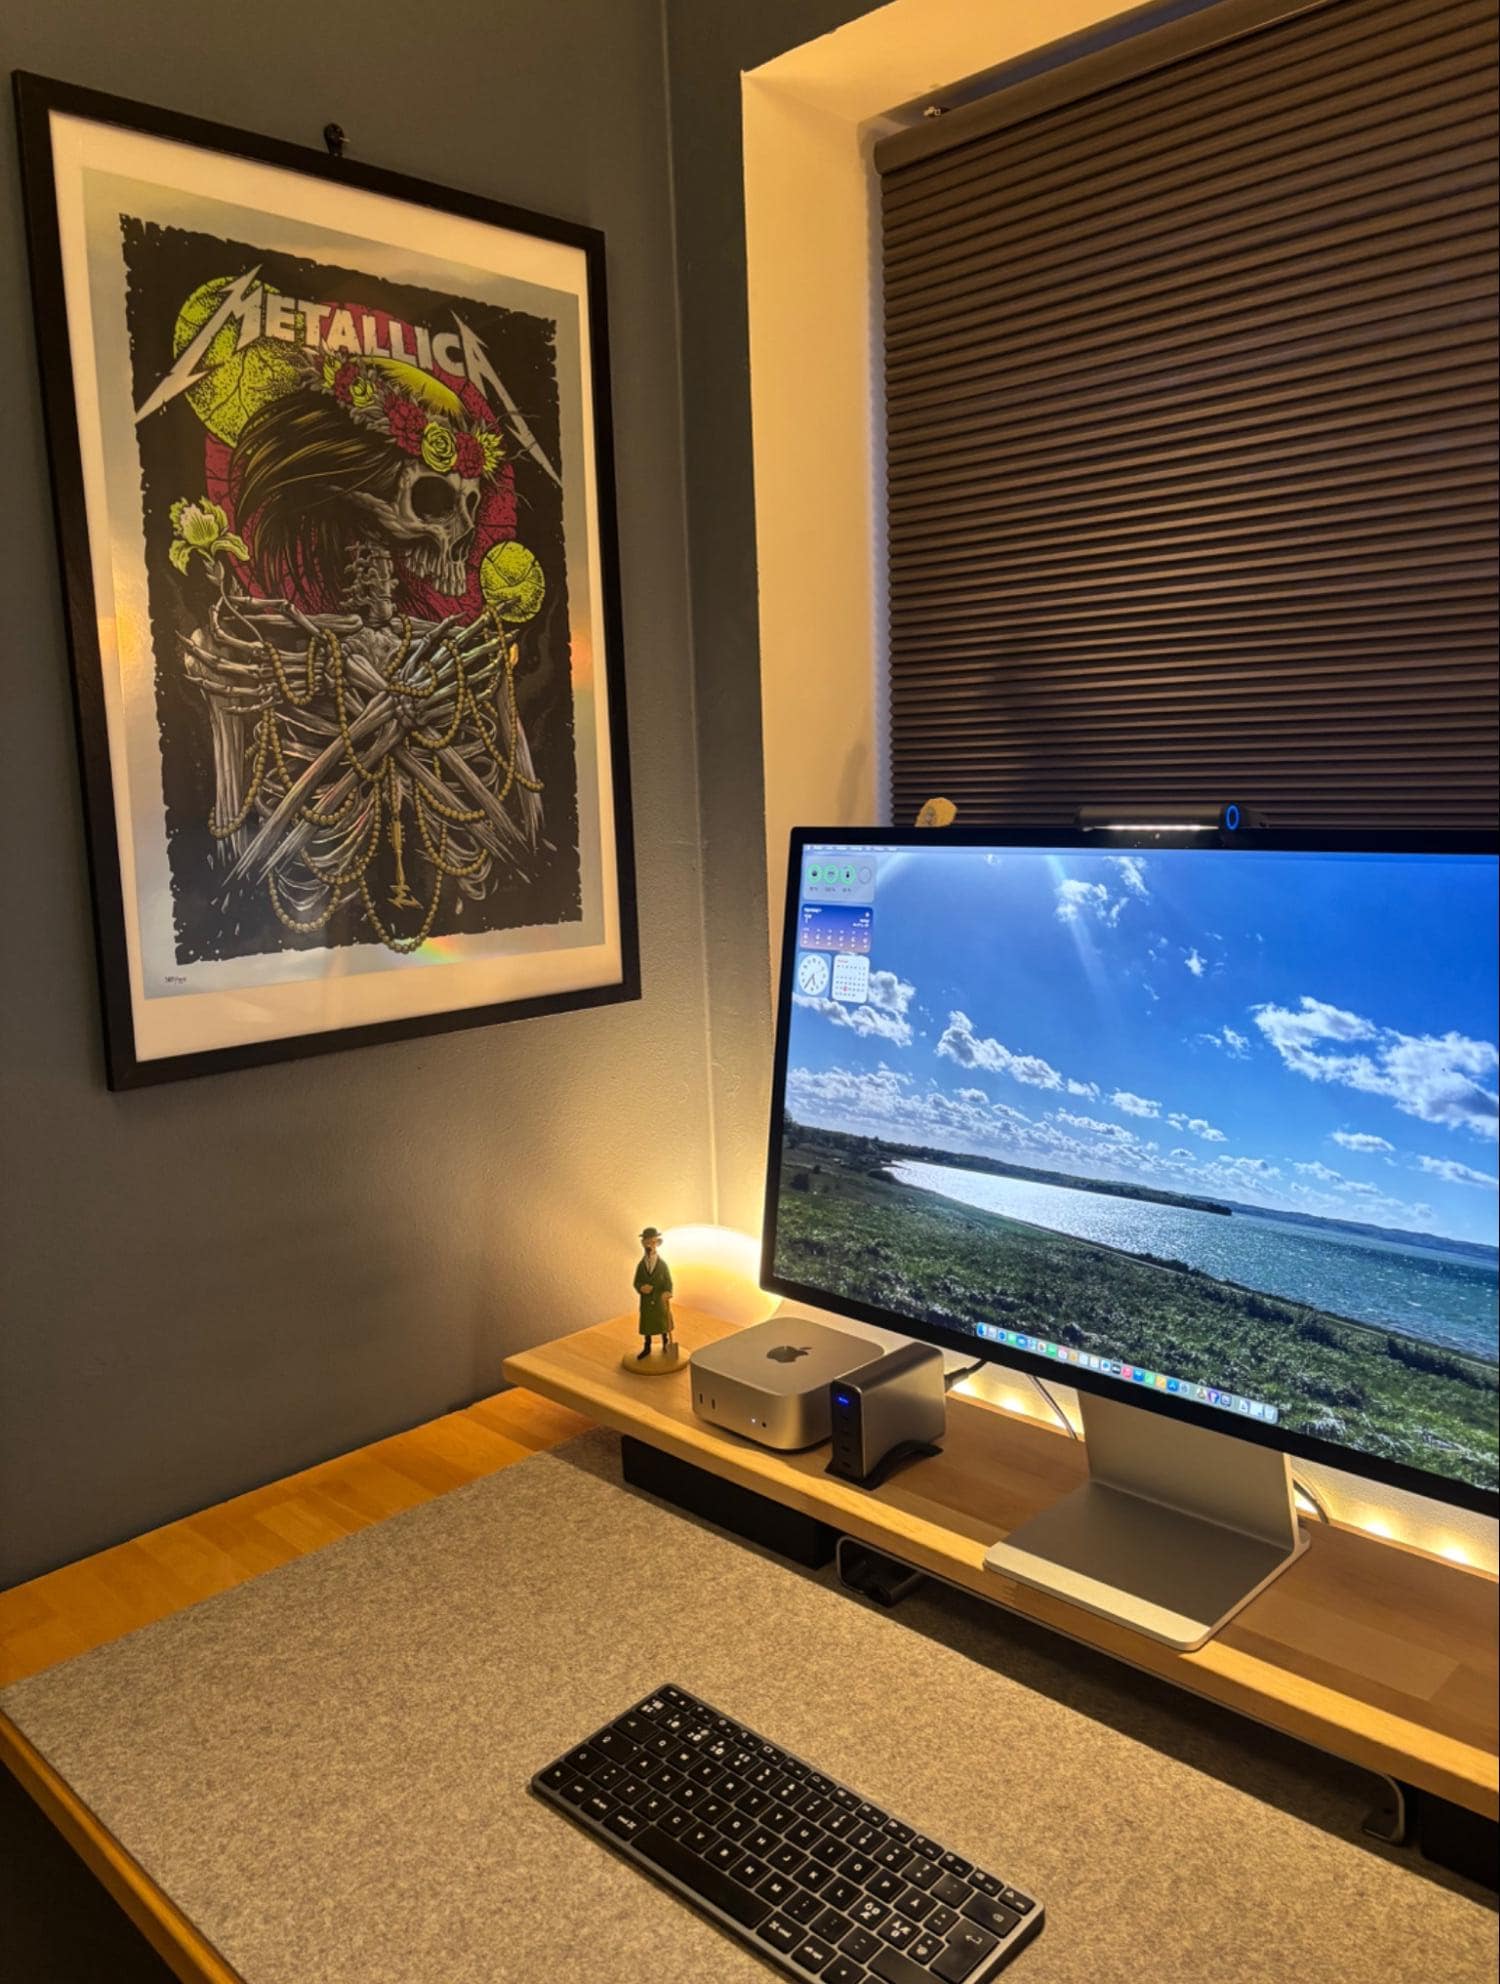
{"x":105,"y":1596}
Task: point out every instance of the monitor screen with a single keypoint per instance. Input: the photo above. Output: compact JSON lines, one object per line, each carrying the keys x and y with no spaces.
{"x":1211,"y":1127}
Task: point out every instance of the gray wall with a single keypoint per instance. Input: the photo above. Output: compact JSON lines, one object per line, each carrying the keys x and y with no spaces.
{"x":709,"y":42}
{"x":215,"y":1282}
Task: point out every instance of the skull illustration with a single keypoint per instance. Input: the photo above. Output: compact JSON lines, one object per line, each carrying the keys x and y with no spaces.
{"x":431,"y":518}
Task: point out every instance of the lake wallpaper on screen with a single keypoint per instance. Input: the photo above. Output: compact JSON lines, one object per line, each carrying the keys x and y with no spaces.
{"x":1218,"y":1122}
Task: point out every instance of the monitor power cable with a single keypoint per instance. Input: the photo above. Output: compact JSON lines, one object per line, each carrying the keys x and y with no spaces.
{"x":1068,"y":1427}
{"x":1300,"y":1487}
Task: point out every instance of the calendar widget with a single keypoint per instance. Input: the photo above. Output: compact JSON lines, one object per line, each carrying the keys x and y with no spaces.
{"x":851,"y":977}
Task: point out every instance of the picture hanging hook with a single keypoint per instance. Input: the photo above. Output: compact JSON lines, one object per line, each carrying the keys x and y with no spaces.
{"x":333,"y":137}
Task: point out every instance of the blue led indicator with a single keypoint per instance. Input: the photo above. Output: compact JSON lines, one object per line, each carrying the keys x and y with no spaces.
{"x":1232,"y":818}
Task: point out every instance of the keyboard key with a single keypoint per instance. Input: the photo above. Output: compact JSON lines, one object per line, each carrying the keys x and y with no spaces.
{"x":576,"y":1790}
{"x":731,"y":1788}
{"x":804,"y":1835}
{"x":633,"y":1727}
{"x":843,"y":1971}
{"x":613,"y":1747}
{"x":736,"y":1826}
{"x":830,"y":1851}
{"x":804,"y":1909}
{"x":860,"y":1945}
{"x":950,"y":1889}
{"x":713,"y":1811}
{"x":624,"y":1825}
{"x":952,"y":1864}
{"x":925,"y":1948}
{"x":759,"y":1842}
{"x":786,"y":1859}
{"x":597,"y":1806}
{"x":754,"y":1804}
{"x":928,"y":1848}
{"x":780,"y":1934}
{"x":831,"y":1926}
{"x":915,"y":1904}
{"x":674,"y":1822}
{"x":991,"y":1915}
{"x":706,"y":1772}
{"x":777,"y":1816}
{"x":840,"y":1894}
{"x":857,"y":1868}
{"x":583,"y":1759}
{"x":940,"y":1922}
{"x":836,"y":1820}
{"x":983,"y":1883}
{"x":555,"y":1776}
{"x":776,"y":1888}
{"x":1021,"y":1903}
{"x":814,"y":1956}
{"x":749,"y":1871}
{"x":893,"y":1968}
{"x":866,"y":1838}
{"x":703,"y":1839}
{"x":893,"y":1856}
{"x":893,"y":1829}
{"x":872,"y":1815}
{"x":845,"y":1798}
{"x":749,"y":1910}
{"x":815,"y":1875}
{"x":920,"y":1873}
{"x":723,"y":1854}
{"x":870,"y":1913}
{"x":898,"y":1932}
{"x":885,"y":1886}
{"x":812,"y":1805}
{"x":965,"y":1949}
{"x":607,"y":1776}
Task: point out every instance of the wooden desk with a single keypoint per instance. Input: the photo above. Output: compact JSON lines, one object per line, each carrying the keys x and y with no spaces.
{"x":1380,"y":1655}
{"x":118,"y":1591}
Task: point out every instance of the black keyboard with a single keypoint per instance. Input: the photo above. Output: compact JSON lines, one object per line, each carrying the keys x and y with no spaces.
{"x":813,"y":1877}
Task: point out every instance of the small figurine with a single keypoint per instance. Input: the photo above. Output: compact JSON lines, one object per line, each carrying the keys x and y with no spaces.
{"x":653,"y":1284}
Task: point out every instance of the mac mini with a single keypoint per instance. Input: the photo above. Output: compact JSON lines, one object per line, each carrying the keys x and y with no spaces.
{"x":771,"y":1382}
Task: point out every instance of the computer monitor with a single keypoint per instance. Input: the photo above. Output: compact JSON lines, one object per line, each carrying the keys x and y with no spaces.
{"x":1202,"y":1124}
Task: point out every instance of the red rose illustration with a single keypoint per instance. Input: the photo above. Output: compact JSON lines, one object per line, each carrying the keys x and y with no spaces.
{"x":470,"y":457}
{"x":406,"y":422}
{"x":343,"y":381}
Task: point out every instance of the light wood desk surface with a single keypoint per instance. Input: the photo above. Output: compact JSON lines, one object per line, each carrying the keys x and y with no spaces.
{"x":1378,"y":1654}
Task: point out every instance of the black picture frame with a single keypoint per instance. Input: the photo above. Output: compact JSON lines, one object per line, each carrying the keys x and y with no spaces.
{"x":1352,"y":1460}
{"x":37,"y":100}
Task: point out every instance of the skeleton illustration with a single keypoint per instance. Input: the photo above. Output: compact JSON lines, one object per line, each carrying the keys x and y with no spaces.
{"x":369,"y":760}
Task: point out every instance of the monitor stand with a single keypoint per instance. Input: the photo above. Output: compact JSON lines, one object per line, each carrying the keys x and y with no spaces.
{"x":1175,"y":1529}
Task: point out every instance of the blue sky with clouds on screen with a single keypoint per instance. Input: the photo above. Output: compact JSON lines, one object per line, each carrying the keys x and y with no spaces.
{"x":1310,"y":1032}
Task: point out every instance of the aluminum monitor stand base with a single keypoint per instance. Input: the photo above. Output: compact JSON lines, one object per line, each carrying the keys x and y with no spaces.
{"x":1175,"y":1529}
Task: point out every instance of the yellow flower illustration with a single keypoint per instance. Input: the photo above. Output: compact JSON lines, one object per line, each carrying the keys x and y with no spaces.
{"x":439,"y":448}
{"x":202,"y":529}
{"x":362,"y":393}
{"x":493,"y":449}
{"x":512,"y":582}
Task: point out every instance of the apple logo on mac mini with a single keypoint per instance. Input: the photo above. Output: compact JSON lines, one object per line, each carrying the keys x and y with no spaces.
{"x":788,"y":1353}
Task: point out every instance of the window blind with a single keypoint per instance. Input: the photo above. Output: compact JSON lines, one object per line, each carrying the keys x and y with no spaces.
{"x":1190,"y":364}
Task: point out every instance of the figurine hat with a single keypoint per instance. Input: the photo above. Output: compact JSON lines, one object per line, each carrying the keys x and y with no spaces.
{"x":650,"y":1233}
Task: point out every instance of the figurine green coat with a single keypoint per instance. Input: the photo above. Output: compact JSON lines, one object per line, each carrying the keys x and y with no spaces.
{"x":654,"y":1285}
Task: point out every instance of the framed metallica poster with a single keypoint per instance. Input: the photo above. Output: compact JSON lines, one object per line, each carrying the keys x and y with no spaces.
{"x":332,"y":471}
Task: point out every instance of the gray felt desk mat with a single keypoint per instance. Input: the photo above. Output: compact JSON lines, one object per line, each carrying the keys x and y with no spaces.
{"x":325,"y":1768}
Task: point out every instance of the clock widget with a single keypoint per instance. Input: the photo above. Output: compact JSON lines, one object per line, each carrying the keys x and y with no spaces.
{"x":812,"y":974}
